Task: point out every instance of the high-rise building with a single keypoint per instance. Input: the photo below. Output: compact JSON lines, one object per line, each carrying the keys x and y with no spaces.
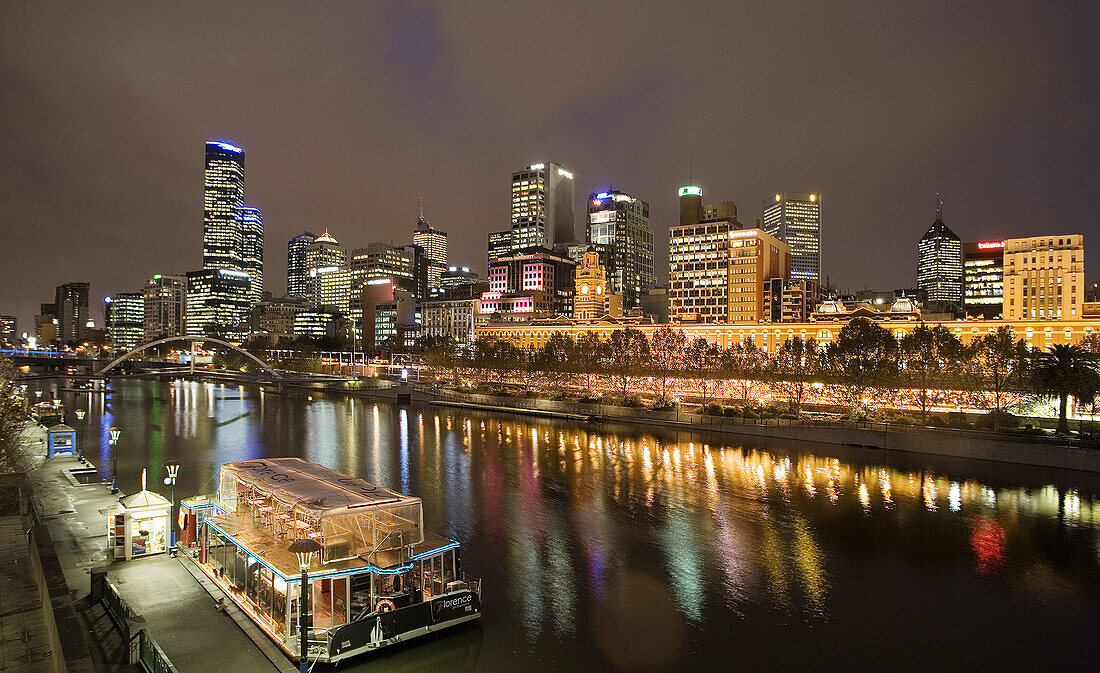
{"x":755,"y":256}
{"x":699,"y":252}
{"x":795,"y":219}
{"x":456,"y":276}
{"x":9,"y":329}
{"x":983,"y":276}
{"x":71,"y":310}
{"x":542,"y":206}
{"x":1044,"y":277}
{"x":323,"y":251}
{"x":331,"y":287}
{"x":164,"y":298}
{"x":500,"y":244}
{"x":434,"y":243}
{"x":297,"y":270}
{"x":218,"y":303}
{"x":620,"y":223}
{"x":124,"y":317}
{"x":940,"y":263}
{"x":250,"y":224}
{"x":223,"y":193}
{"x":389,"y":315}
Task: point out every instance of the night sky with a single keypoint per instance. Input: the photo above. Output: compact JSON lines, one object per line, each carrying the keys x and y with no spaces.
{"x":351,"y":112}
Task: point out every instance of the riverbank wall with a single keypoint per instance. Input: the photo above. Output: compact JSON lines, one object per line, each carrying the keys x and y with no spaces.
{"x":963,"y":444}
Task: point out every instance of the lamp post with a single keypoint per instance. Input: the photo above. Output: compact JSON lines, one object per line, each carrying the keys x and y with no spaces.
{"x":115,"y":432}
{"x":173,"y":467}
{"x":80,"y":445}
{"x":304,"y":550}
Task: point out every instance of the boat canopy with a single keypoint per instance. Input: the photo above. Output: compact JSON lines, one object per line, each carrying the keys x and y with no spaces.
{"x":350,"y":517}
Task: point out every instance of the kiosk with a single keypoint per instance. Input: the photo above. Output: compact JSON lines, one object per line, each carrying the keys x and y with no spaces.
{"x":139,"y":524}
{"x":60,"y":441}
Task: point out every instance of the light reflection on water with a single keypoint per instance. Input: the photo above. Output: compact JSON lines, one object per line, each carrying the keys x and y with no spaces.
{"x":754,"y":548}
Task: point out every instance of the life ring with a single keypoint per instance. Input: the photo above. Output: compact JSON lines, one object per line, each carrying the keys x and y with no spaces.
{"x":385,"y":605}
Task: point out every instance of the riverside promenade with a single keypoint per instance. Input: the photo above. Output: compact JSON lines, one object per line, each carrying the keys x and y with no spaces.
{"x":175,"y":606}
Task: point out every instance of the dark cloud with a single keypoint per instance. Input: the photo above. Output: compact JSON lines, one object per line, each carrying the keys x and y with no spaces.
{"x":350,"y":112}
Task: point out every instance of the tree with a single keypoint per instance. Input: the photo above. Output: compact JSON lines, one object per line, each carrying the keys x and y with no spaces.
{"x":12,"y":419}
{"x":552,"y":360}
{"x":441,"y":357}
{"x":704,"y":362}
{"x":1061,"y":371}
{"x":744,"y":364}
{"x":1001,"y":362}
{"x":930,"y":355}
{"x":628,"y":353}
{"x":587,"y":357}
{"x":863,"y":356}
{"x":666,"y":350}
{"x":794,"y":366}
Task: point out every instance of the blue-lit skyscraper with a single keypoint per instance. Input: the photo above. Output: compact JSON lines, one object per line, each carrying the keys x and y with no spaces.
{"x":250,"y":225}
{"x":223,"y":193}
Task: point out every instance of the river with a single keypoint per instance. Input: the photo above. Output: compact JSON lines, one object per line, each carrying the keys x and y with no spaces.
{"x":628,"y":548}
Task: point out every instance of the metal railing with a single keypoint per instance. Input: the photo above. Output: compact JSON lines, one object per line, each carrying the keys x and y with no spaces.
{"x":151,"y":656}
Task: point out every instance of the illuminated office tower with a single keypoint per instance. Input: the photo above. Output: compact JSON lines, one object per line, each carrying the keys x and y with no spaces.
{"x":71,"y":311}
{"x":619,"y":223}
{"x":331,"y":287}
{"x":542,"y":206}
{"x":223,"y":193}
{"x":323,"y":251}
{"x":500,"y":244}
{"x":164,"y":306}
{"x":218,"y":303}
{"x":795,"y":219}
{"x":250,"y":224}
{"x":297,"y":271}
{"x":123,"y":316}
{"x":940,"y":262}
{"x":984,"y":273}
{"x":434,"y":243}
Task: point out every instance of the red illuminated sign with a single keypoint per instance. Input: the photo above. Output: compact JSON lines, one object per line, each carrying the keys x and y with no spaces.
{"x":990,"y":245}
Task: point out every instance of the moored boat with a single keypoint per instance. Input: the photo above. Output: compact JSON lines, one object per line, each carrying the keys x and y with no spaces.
{"x":378,"y":578}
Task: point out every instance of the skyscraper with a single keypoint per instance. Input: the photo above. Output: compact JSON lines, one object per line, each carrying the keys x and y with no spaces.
{"x":1044,"y":277}
{"x":500,"y":244}
{"x":218,"y":303}
{"x":164,"y":299}
{"x":434,"y":243}
{"x":223,"y":193}
{"x":250,"y":224}
{"x":71,"y":311}
{"x":795,"y":219}
{"x":124,"y":315}
{"x":940,"y":262}
{"x":984,"y":272}
{"x":297,"y":271}
{"x":620,"y":223}
{"x":542,"y":206}
{"x":323,"y":251}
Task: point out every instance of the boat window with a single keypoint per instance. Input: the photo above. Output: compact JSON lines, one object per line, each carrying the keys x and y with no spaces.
{"x":448,"y":567}
{"x":361,"y":602}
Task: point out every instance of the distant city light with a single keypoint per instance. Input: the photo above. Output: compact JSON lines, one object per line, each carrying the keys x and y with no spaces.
{"x":603,"y":195}
{"x":225,"y":146}
{"x":694,"y":191}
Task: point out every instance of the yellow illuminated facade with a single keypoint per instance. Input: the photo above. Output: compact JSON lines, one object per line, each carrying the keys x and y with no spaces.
{"x":1044,"y":277}
{"x":1038,"y":334}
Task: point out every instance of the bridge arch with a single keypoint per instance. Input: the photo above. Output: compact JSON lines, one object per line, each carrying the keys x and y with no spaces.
{"x":266,"y":367}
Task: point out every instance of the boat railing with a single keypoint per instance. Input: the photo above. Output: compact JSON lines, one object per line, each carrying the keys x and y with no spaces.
{"x":380,"y":548}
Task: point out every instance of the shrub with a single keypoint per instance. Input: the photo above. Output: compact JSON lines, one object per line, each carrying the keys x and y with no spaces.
{"x":750,"y":414}
{"x":1004,"y":420}
{"x":903,"y":420}
{"x":714,"y":409}
{"x":731,"y":411}
{"x":937,"y":422}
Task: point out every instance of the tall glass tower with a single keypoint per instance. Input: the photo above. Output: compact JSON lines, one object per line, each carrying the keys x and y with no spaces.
{"x":250,"y":225}
{"x":542,"y":206}
{"x":795,"y":219}
{"x":297,"y":271}
{"x":618,"y":223}
{"x":223,"y":193}
{"x":434,"y":243}
{"x":940,"y":262}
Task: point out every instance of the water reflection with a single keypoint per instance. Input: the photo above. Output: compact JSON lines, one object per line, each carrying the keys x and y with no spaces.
{"x":748,"y":545}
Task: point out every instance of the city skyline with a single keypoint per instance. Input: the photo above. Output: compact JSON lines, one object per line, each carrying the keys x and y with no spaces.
{"x":996,"y":152}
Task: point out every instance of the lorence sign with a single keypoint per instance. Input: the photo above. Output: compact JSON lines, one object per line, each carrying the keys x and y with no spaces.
{"x":991,"y":245}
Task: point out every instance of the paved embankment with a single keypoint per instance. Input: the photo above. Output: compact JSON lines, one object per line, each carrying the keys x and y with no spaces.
{"x":178,"y":611}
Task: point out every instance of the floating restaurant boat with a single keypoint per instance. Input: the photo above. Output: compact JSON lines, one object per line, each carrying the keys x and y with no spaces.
{"x":50,"y":412}
{"x":378,"y":579}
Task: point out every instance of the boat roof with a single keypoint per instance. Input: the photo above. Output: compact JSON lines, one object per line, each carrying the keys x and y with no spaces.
{"x":314,"y":487}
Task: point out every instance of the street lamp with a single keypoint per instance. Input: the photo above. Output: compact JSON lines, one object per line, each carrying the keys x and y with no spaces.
{"x":115,"y":433}
{"x":304,"y":550}
{"x":173,"y":467}
{"x":80,"y":447}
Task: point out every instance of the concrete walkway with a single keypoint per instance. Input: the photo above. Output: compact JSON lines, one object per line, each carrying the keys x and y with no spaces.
{"x":179,"y":612}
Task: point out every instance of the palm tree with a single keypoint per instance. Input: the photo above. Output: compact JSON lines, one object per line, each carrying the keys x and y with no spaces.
{"x":1061,"y":371}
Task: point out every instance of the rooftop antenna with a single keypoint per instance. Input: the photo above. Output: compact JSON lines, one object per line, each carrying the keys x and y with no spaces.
{"x":691,"y":165}
{"x":939,"y":207}
{"x":421,"y":206}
